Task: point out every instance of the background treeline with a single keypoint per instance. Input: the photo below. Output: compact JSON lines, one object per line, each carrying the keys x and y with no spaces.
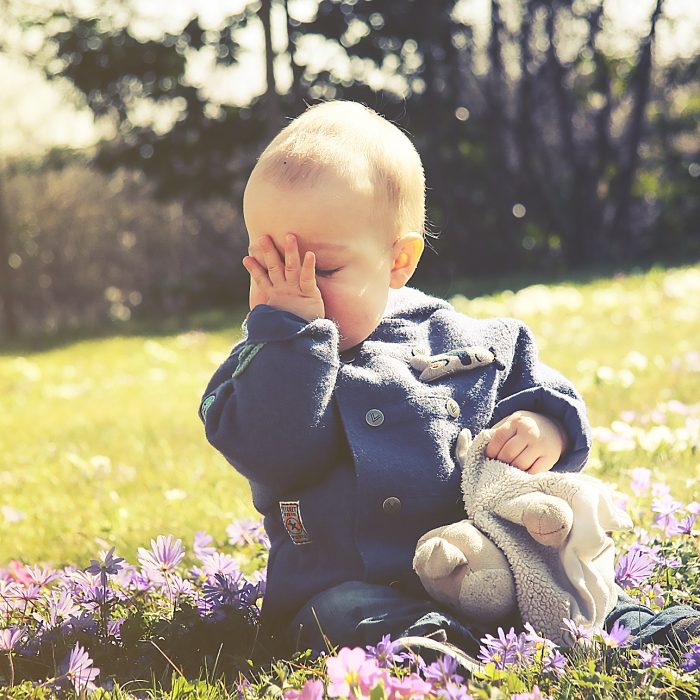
{"x":544,"y":148}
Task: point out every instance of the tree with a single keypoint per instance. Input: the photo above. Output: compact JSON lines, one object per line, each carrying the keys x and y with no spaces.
{"x":520,"y":144}
{"x":533,"y":135}
{"x":10,"y":323}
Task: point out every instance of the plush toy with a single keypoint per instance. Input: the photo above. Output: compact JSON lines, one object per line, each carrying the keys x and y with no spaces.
{"x":538,"y":544}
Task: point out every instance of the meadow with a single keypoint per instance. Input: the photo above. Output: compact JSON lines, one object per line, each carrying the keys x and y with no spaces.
{"x":101,"y":447}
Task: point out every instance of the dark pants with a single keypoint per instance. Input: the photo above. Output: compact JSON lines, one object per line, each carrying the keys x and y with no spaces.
{"x":359,"y":614}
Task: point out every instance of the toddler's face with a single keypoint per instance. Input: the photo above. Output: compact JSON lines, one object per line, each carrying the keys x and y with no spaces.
{"x":350,"y":235}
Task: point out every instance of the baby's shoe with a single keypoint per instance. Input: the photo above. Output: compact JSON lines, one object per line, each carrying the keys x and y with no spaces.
{"x":680,"y":633}
{"x":432,"y":648}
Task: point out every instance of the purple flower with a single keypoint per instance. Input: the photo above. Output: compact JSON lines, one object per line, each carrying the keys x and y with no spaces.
{"x":652,"y":596}
{"x":83,"y":623}
{"x":179,"y":588}
{"x":693,"y":507}
{"x":114,"y":627}
{"x":139,"y":583}
{"x":182,"y":587}
{"x":162,"y":558}
{"x":683,"y":527}
{"x":28,"y":594}
{"x":443,"y":670}
{"x":77,"y":581}
{"x":106,"y":565}
{"x":41,"y":576}
{"x":618,"y":636}
{"x":580,"y":633}
{"x":535,"y":640}
{"x":633,"y":568}
{"x":641,"y":480}
{"x":230,"y":590}
{"x":10,"y":637}
{"x":386,"y":652}
{"x":201,"y":547}
{"x":198,"y":574}
{"x":692,"y":658}
{"x":670,"y":562}
{"x":123,"y":578}
{"x":223,"y":589}
{"x":651,"y":658}
{"x":9,"y":595}
{"x":312,"y":690}
{"x":503,"y":650}
{"x":250,"y":593}
{"x":247,"y":531}
{"x":652,"y":550}
{"x":555,"y":662}
{"x":665,"y":507}
{"x":79,"y":671}
{"x":219,"y":563}
{"x":259,"y":578}
{"x":204,"y":608}
{"x":60,"y":608}
{"x":94,"y":596}
{"x":453,"y":691}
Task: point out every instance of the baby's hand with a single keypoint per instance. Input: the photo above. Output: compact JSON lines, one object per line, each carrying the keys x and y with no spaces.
{"x":529,"y":441}
{"x":290,"y":286}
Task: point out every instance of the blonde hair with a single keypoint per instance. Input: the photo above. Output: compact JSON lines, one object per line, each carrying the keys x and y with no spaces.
{"x":357,"y":144}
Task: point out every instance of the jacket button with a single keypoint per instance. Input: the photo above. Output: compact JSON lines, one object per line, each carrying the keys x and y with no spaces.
{"x":374,"y":417}
{"x":349,"y":356}
{"x":392,"y":506}
{"x":452,"y":408}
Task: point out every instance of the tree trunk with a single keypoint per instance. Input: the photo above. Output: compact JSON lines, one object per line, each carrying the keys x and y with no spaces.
{"x":617,"y":221}
{"x":497,"y":130}
{"x":601,"y":149}
{"x":271,"y":96}
{"x":10,"y":321}
{"x":297,"y":71}
{"x":535,"y":165}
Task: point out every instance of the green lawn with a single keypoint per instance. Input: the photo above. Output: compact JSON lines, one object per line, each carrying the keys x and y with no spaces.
{"x":100,"y":439}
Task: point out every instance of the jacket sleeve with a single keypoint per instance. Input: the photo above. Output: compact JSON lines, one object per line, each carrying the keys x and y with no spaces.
{"x":268,"y":408}
{"x":530,"y":385}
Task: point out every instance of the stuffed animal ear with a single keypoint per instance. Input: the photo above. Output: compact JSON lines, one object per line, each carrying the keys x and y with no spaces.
{"x":464,"y":442}
{"x":612,"y":518}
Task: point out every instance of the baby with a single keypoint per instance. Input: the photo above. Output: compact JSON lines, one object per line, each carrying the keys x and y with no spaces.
{"x":347,"y":443}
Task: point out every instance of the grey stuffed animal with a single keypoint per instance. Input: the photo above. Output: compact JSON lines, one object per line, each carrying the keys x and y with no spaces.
{"x":535,"y":543}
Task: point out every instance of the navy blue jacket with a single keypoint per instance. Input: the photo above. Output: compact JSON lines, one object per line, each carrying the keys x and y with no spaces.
{"x":351,"y":458}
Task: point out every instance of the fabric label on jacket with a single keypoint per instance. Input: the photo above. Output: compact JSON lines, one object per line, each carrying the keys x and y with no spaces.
{"x":291,"y":517}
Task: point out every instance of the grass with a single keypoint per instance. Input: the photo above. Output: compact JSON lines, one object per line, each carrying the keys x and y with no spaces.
{"x":100,"y":442}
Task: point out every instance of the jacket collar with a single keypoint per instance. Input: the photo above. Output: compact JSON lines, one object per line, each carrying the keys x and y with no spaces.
{"x":410,"y":304}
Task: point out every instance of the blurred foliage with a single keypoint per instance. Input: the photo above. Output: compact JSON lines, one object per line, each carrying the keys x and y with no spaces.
{"x":90,"y":246}
{"x":117,"y":73}
{"x":543,"y":149}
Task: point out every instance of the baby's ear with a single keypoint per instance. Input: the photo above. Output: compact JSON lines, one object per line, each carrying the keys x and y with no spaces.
{"x":406,"y":252}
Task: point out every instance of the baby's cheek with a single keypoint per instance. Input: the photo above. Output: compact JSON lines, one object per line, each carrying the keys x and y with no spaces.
{"x":323,"y":286}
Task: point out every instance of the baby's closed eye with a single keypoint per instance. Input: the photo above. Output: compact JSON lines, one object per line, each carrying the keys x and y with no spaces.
{"x":327,"y":273}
